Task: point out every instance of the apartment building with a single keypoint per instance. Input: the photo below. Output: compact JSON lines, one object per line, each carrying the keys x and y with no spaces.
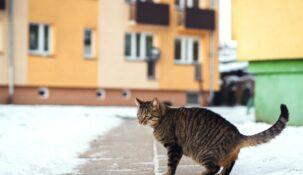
{"x":99,"y":52}
{"x":269,"y":36}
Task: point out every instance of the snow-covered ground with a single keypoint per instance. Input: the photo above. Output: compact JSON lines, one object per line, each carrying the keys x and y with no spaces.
{"x":48,"y":139}
{"x":283,"y":155}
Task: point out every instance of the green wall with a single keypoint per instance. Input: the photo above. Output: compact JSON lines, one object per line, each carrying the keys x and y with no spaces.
{"x":278,"y":82}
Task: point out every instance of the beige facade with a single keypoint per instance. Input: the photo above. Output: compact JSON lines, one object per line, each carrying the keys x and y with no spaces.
{"x":19,"y":47}
{"x":64,"y":75}
{"x":21,"y":41}
{"x":3,"y":47}
{"x":114,"y":70}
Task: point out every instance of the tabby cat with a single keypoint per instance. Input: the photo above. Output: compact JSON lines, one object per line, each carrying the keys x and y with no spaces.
{"x":201,"y":134}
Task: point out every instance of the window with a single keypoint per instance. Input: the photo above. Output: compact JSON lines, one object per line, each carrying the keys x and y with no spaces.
{"x":181,"y":4}
{"x":89,"y":43}
{"x":187,"y":50}
{"x":40,"y":39}
{"x":192,"y":98}
{"x":133,"y":1}
{"x":137,"y":45}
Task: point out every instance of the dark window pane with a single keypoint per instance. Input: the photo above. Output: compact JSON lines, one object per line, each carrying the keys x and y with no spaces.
{"x":195,"y":3}
{"x":149,"y":45}
{"x":196,"y":51}
{"x":192,"y":98}
{"x":33,"y":37}
{"x":88,"y":42}
{"x":138,"y":36}
{"x":46,"y":38}
{"x":151,"y":70}
{"x":177,"y":49}
{"x":127,"y":44}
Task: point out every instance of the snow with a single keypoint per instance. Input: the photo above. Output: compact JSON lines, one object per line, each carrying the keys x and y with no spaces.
{"x":229,"y":67}
{"x":47,"y":139}
{"x":283,"y":155}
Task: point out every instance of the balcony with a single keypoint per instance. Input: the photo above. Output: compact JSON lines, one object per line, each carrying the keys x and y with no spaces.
{"x":2,"y":4}
{"x":195,"y":18}
{"x":149,"y":13}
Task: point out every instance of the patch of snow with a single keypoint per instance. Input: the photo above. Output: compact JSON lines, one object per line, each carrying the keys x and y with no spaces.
{"x":283,"y":155}
{"x":234,"y":66}
{"x":46,"y":140}
{"x":236,"y":115}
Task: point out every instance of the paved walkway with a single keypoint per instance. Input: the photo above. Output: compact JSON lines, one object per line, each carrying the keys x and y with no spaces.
{"x":130,"y":149}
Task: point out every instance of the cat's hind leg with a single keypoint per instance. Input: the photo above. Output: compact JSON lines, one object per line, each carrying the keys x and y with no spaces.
{"x":227,"y":169}
{"x":211,"y":168}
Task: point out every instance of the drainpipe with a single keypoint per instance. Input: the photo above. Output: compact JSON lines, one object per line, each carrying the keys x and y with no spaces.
{"x":212,"y":57}
{"x":11,"y":70}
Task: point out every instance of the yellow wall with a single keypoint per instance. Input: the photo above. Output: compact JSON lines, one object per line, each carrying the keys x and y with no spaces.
{"x":115,"y":71}
{"x":268,"y":29}
{"x":66,"y":67}
{"x":180,"y":76}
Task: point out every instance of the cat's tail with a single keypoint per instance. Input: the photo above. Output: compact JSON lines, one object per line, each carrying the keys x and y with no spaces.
{"x":267,"y":135}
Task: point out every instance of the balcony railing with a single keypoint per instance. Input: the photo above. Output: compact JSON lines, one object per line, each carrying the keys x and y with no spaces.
{"x":195,"y":18}
{"x":2,"y":4}
{"x":149,"y":13}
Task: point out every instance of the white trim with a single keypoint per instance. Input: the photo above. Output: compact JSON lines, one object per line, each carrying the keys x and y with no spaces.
{"x":46,"y":93}
{"x":187,"y":49}
{"x":190,"y":3}
{"x":103,"y":94}
{"x":142,"y":46}
{"x":92,"y":54}
{"x":40,"y":50}
{"x":127,"y":94}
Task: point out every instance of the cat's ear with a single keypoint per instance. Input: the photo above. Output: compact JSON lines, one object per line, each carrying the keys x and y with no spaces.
{"x":138,"y":102}
{"x":155,"y":102}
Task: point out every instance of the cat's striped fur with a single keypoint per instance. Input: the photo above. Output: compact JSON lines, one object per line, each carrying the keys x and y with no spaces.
{"x":201,"y":134}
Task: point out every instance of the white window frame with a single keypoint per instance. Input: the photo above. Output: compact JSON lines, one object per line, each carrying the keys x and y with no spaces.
{"x":92,"y":54}
{"x":133,"y":48}
{"x":40,"y":51}
{"x":185,"y":3}
{"x":187,"y":49}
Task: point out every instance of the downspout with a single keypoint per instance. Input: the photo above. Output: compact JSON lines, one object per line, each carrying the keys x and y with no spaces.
{"x":212,"y":58}
{"x":11,"y":71}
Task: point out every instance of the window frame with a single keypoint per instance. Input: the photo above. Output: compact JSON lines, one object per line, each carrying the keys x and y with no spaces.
{"x":133,"y":45}
{"x":182,"y":4}
{"x":187,"y":50}
{"x":93,"y":43}
{"x":41,"y":40}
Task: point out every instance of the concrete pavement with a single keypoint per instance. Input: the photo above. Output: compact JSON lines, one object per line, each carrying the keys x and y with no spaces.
{"x":130,"y":149}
